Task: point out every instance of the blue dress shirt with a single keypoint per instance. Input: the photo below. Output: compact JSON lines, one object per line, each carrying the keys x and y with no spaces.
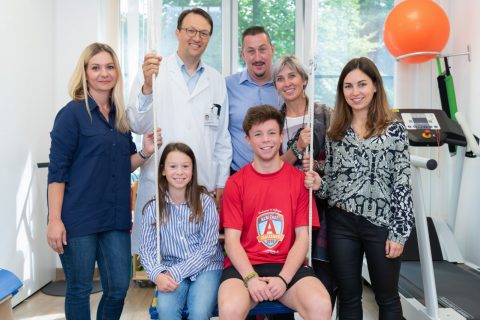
{"x":244,"y":93}
{"x":92,"y":158}
{"x":190,"y":80}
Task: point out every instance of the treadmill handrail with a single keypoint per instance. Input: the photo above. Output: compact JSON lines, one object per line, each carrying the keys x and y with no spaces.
{"x":472,"y":144}
{"x":424,"y":163}
{"x":426,"y":264}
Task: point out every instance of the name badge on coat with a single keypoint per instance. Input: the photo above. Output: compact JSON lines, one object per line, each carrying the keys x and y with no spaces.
{"x":212,"y":117}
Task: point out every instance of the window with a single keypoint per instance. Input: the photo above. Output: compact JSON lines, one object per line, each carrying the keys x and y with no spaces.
{"x":134,"y":32}
{"x":278,"y":18}
{"x":346,"y":30}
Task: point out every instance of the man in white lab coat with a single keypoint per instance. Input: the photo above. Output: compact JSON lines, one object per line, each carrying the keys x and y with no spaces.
{"x":191,"y":107}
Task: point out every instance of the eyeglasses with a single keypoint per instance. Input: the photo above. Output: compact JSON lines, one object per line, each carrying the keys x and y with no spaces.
{"x":191,"y":32}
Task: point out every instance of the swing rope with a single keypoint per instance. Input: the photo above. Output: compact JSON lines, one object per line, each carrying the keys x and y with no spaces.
{"x":311,"y":111}
{"x":151,"y":46}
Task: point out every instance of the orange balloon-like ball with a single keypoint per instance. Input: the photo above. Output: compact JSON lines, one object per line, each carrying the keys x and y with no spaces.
{"x":414,"y":26}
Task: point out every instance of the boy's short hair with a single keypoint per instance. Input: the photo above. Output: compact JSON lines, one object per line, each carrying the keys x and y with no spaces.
{"x":261,"y":114}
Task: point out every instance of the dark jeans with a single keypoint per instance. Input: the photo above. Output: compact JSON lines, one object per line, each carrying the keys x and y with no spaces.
{"x":111,"y":251}
{"x":323,"y":271}
{"x":349,"y":237}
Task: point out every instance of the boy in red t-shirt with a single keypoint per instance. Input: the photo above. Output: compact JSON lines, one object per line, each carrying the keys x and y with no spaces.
{"x":265,"y":217}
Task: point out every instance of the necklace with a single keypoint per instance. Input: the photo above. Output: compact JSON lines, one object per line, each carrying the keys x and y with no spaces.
{"x":286,"y":122}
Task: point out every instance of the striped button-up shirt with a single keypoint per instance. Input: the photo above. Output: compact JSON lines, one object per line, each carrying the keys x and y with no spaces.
{"x":186,"y":247}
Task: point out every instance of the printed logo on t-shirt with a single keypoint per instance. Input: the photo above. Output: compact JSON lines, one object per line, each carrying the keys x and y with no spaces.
{"x":270,"y":227}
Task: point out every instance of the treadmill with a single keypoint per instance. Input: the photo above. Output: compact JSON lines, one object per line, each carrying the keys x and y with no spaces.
{"x":434,"y":283}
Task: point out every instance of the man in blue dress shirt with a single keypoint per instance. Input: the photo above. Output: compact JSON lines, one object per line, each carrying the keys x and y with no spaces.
{"x":250,"y":87}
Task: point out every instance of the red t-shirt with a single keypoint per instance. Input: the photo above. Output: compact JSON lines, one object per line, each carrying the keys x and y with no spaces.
{"x":266,"y":208}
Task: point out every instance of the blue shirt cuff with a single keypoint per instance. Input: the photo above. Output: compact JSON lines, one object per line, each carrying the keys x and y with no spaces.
{"x":175,"y":274}
{"x":155,"y":272}
{"x":144,"y":102}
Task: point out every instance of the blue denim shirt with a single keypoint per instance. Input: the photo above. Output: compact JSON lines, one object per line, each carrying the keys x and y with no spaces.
{"x":92,"y":158}
{"x":244,"y":93}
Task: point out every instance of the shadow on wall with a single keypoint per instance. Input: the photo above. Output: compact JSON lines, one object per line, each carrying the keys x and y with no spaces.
{"x":33,"y":261}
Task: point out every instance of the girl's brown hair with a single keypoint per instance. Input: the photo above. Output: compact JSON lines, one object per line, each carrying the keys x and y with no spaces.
{"x":379,"y":114}
{"x":193,"y":191}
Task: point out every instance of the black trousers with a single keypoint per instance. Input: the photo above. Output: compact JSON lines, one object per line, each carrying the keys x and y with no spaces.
{"x":349,"y":237}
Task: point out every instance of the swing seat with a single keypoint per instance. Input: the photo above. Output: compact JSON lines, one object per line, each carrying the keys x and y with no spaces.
{"x":266,"y":307}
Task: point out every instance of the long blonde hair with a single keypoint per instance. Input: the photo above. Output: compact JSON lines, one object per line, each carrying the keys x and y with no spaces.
{"x":379,"y":114}
{"x":77,"y":86}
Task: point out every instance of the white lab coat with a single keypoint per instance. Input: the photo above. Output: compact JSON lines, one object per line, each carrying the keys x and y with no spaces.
{"x":187,"y":118}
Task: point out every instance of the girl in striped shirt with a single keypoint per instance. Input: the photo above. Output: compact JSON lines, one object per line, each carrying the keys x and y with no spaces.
{"x":191,"y":256}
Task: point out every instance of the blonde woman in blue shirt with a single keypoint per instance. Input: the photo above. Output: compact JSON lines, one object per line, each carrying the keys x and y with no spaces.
{"x":191,"y":257}
{"x":91,"y":156}
{"x":367,"y":184}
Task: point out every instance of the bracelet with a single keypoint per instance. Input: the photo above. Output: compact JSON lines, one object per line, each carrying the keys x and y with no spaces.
{"x":142,"y":155}
{"x":284,"y":281}
{"x":296,"y":152}
{"x":249,"y":277}
{"x":318,"y":193}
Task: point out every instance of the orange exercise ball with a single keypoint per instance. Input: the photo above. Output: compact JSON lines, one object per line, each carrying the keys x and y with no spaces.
{"x":414,"y":26}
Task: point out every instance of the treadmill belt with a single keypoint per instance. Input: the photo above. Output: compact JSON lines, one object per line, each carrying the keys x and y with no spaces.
{"x":458,"y":286}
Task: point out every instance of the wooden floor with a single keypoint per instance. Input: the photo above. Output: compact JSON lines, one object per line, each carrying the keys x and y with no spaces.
{"x":43,"y":307}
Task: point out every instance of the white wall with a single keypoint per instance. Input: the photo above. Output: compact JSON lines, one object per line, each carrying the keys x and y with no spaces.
{"x":416,"y":87}
{"x":41,"y":42}
{"x":26,"y":92}
{"x":77,"y":24}
{"x":465,"y":22}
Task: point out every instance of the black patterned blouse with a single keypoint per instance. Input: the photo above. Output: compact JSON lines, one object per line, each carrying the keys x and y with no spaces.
{"x":371,"y":178}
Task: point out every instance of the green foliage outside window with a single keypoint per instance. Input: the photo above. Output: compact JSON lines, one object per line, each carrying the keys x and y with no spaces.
{"x":348,"y":29}
{"x":345,"y":29}
{"x":277,"y":17}
{"x":173,"y":8}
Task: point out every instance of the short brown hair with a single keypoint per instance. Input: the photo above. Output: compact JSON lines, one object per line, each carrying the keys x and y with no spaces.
{"x":253,"y":31}
{"x":261,"y":114}
{"x":198,"y":11}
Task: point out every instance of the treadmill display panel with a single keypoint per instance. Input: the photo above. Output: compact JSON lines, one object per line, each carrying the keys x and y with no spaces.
{"x":420,"y":121}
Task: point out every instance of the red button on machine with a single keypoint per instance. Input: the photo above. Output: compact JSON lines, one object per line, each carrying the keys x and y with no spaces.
{"x":426,"y":134}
